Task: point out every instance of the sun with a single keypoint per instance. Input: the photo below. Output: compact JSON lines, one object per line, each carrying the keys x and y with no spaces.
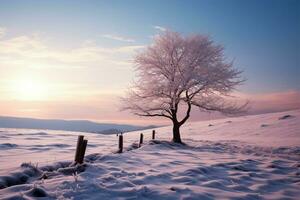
{"x":29,"y":90}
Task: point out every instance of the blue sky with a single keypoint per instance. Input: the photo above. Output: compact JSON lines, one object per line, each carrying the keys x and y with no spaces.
{"x":262,"y":36}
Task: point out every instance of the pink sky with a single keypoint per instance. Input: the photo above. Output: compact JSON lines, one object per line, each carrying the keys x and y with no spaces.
{"x":105,"y":108}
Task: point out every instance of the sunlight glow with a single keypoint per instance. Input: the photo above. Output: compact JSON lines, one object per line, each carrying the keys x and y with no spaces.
{"x":29,"y":90}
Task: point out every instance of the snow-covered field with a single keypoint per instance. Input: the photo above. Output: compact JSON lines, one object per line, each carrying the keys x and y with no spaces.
{"x":251,"y":157}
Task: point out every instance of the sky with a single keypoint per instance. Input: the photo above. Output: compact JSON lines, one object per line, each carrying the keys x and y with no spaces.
{"x":73,"y":59}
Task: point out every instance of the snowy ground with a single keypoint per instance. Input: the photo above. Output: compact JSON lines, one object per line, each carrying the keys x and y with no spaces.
{"x":252,"y":157}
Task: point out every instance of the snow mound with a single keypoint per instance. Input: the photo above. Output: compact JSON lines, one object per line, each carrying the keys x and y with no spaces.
{"x":7,"y":146}
{"x":285,"y":117}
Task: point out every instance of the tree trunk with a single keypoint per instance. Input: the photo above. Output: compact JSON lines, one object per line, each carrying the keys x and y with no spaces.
{"x":176,"y":132}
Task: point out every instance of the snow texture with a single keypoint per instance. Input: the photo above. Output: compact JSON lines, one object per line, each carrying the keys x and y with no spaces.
{"x":250,"y":157}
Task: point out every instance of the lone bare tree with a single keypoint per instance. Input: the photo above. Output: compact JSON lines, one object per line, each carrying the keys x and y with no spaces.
{"x":177,"y":71}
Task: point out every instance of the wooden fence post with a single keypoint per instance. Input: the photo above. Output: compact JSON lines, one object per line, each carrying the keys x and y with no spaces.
{"x":153,"y":135}
{"x":78,"y":147}
{"x":120,"y":143}
{"x":141,"y":139}
{"x":82,"y":151}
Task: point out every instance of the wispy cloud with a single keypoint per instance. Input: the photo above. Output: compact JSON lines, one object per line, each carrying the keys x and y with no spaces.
{"x":27,"y":50}
{"x":160,"y":28}
{"x":118,"y":38}
{"x":2,"y":31}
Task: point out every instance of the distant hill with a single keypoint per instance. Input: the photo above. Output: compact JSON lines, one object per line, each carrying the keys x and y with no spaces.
{"x":67,"y":125}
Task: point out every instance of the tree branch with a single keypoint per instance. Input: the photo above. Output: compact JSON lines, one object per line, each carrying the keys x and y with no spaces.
{"x":153,"y":115}
{"x":188,"y":110}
